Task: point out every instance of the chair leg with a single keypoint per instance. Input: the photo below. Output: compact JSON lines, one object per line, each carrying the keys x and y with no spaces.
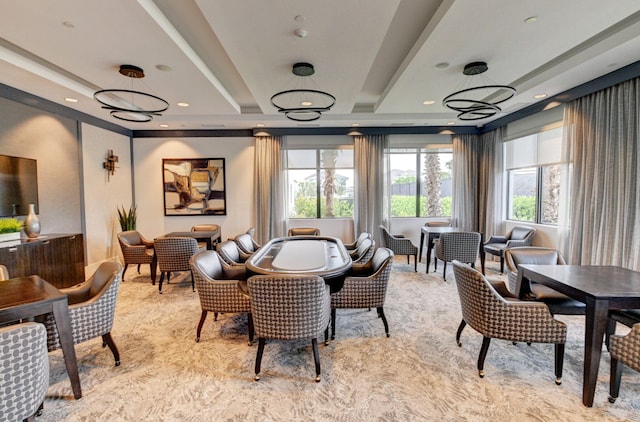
{"x":161,"y":280}
{"x":138,"y":268}
{"x":384,"y":320}
{"x":463,"y":324}
{"x":316,"y":357}
{"x":408,"y":262}
{"x":616,"y":374}
{"x":203,"y":316}
{"x":112,"y":346}
{"x":333,"y":323}
{"x":193,"y":285}
{"x":610,"y":330}
{"x":251,"y":329}
{"x":261,"y":342}
{"x":124,"y":270}
{"x":444,"y":271}
{"x":501,"y":264}
{"x":415,"y":262}
{"x":326,"y":336}
{"x":559,"y":362}
{"x":483,"y":354}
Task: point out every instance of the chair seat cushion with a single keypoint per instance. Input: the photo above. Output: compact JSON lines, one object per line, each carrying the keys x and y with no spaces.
{"x":626,"y":316}
{"x":495,"y":248}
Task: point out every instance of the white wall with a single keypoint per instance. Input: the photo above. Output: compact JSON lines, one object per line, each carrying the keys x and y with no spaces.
{"x":148,"y":186}
{"x":104,"y":193}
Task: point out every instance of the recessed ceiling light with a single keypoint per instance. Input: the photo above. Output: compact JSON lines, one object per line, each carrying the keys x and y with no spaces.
{"x":355,"y":124}
{"x":164,"y":125}
{"x":260,"y":124}
{"x":183,"y":104}
{"x":68,"y":24}
{"x":531,"y":19}
{"x":442,"y":65}
{"x":451,"y":123}
{"x":164,"y":67}
{"x":539,"y":96}
{"x":306,"y":103}
{"x":428,"y":102}
{"x":71,"y":100}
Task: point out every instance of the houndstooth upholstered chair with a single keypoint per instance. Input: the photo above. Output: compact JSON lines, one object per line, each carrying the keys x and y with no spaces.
{"x":364,"y":252}
{"x":217,"y":287}
{"x":289,"y":307}
{"x":624,"y":350}
{"x":518,"y":236}
{"x":231,"y":253}
{"x":365,"y":288}
{"x":136,"y":250}
{"x":173,"y":254}
{"x":24,"y":370}
{"x":92,"y":306}
{"x":460,"y":246}
{"x":246,"y":243}
{"x":399,"y":245}
{"x":513,"y":320}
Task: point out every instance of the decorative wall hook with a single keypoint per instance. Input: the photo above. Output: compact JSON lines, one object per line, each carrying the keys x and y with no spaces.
{"x":110,"y":163}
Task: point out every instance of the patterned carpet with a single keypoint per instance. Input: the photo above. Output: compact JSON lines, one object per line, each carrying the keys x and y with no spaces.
{"x":418,"y":374}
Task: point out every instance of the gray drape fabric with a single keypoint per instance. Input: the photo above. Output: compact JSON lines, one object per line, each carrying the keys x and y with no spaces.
{"x":369,"y":182}
{"x":269,"y":188}
{"x":490,"y":183}
{"x":465,"y":181}
{"x":604,"y":135}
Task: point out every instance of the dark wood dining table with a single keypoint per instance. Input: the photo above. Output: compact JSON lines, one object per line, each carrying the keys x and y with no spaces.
{"x":28,"y":297}
{"x":601,"y":288}
{"x":210,"y":237}
{"x":433,"y":233}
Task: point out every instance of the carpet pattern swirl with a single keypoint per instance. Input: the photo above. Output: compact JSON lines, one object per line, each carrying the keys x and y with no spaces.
{"x":418,"y":374}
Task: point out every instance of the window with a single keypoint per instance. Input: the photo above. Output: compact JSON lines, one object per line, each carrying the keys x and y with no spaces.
{"x":333,"y":196}
{"x":420,"y":182}
{"x":534,"y":167}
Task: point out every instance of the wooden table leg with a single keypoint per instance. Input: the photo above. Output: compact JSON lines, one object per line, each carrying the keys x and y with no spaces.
{"x":421,"y":243}
{"x":596,"y":321}
{"x":63,"y":324}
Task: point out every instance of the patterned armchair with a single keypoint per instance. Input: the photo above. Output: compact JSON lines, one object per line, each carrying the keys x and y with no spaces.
{"x":624,"y":350}
{"x":92,"y":306}
{"x":303,"y":231}
{"x":173,"y":254}
{"x":495,"y":317}
{"x":354,"y":245}
{"x":24,"y":372}
{"x":231,"y":253}
{"x":136,"y":250}
{"x":295,"y":307}
{"x":400,"y":245}
{"x":246,"y":244}
{"x":364,"y":252}
{"x":518,"y":236}
{"x":460,"y":246}
{"x":217,"y":287}
{"x":365,"y":288}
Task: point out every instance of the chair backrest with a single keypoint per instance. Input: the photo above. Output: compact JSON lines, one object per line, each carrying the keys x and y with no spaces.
{"x":173,"y":253}
{"x":230,"y":252}
{"x":206,"y":263}
{"x":437,"y":224}
{"x":386,"y":236}
{"x":4,"y":273}
{"x":24,"y":373}
{"x":528,"y":255}
{"x":462,"y":246}
{"x":364,"y":251}
{"x":103,"y":277}
{"x":251,"y":231}
{"x":522,"y":233}
{"x":245,"y":243}
{"x":289,"y":307}
{"x":303,"y":231}
{"x":205,"y":228}
{"x":129,"y":238}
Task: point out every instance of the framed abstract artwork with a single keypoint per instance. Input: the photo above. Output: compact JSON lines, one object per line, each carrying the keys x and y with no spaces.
{"x":194,"y":186}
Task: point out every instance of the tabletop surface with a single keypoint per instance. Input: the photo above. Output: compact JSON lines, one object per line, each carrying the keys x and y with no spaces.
{"x":440,"y":229}
{"x":25,"y":290}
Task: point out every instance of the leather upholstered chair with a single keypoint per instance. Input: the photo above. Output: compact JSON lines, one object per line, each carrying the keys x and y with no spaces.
{"x":354,"y":245}
{"x":231,"y":253}
{"x":217,"y":287}
{"x":558,"y":303}
{"x":366,"y":287}
{"x":173,"y":255}
{"x":24,"y":372}
{"x":400,"y":245}
{"x":246,"y":243}
{"x":364,"y":252}
{"x":303,"y":231}
{"x":4,"y":273}
{"x":289,"y":307}
{"x":518,"y":236}
{"x":624,"y":350}
{"x":437,"y":224}
{"x":92,"y":306}
{"x":460,"y":246}
{"x":495,"y":317}
{"x":136,"y":250}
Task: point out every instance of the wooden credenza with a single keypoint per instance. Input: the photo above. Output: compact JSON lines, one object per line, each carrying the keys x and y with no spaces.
{"x":56,"y":258}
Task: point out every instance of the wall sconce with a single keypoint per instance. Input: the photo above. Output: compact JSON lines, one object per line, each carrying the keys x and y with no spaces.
{"x":110,"y":164}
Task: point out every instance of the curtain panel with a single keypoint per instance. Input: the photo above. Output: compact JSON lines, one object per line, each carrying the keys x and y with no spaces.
{"x":269,"y":188}
{"x":491,"y":203}
{"x":369,"y":181}
{"x":603,"y":131}
{"x":465,"y":182}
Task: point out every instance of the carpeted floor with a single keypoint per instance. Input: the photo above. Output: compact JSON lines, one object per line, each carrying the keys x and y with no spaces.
{"x":418,"y":374}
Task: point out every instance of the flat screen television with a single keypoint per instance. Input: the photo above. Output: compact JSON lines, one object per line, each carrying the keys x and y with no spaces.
{"x":18,"y":185}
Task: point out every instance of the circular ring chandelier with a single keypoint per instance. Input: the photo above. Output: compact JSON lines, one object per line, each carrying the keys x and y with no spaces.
{"x":303,"y":104}
{"x":478,"y":102}
{"x":128,"y":104}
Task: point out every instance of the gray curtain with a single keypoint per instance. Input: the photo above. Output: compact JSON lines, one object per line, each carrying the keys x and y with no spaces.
{"x":465,"y":182}
{"x":490,"y":183}
{"x":269,"y":188}
{"x":369,"y":179}
{"x":604,"y":136}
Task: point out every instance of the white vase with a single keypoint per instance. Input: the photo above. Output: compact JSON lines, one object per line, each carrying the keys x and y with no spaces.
{"x":32,"y":223}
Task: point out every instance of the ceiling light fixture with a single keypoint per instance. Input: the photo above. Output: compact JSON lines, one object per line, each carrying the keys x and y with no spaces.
{"x":478,"y":102}
{"x":128,"y":104}
{"x":303,"y":104}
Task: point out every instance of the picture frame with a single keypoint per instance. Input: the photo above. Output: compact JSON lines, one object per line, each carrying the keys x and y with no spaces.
{"x":194,"y":186}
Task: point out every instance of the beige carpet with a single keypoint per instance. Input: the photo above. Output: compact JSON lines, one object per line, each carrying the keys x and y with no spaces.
{"x":418,"y":374}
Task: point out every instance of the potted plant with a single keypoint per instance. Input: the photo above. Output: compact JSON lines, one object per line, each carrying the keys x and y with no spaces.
{"x":10,"y":229}
{"x":127,"y":218}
